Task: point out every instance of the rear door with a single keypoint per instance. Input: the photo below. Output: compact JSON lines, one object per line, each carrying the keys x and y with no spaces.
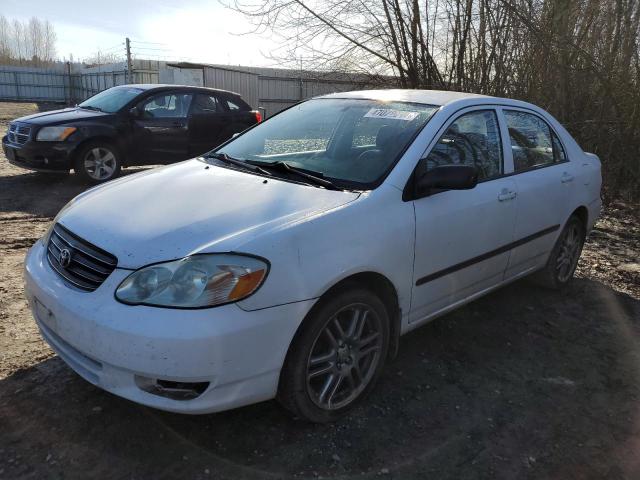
{"x":544,"y":178}
{"x":161,"y":128}
{"x":239,"y":115}
{"x":207,"y":121}
{"x":463,"y":237}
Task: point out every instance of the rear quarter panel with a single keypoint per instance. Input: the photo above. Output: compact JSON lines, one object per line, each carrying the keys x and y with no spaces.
{"x":589,"y":185}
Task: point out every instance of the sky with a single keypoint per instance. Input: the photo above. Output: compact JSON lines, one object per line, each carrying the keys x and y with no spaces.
{"x":190,"y":30}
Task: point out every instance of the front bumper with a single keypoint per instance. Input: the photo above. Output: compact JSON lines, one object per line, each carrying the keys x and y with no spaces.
{"x":40,"y":156}
{"x":112,"y":345}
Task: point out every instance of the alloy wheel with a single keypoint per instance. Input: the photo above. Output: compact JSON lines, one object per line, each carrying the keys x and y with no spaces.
{"x":344,"y":357}
{"x":569,"y":253}
{"x":100,"y":163}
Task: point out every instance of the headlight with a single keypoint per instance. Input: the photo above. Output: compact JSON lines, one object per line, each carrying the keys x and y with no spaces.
{"x":54,"y":134}
{"x":198,"y":281}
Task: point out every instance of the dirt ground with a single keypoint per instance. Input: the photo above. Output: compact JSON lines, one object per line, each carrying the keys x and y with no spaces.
{"x":524,"y":383}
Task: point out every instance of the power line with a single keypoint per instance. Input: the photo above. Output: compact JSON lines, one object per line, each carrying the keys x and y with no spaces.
{"x":153,"y":49}
{"x":148,"y":43}
{"x":118,"y":45}
{"x":112,"y":50}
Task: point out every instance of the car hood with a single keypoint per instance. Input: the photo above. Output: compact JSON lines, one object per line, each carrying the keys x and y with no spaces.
{"x":191,"y":207}
{"x":65,"y":115}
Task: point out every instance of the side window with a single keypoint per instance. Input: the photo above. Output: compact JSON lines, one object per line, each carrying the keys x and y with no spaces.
{"x":232,"y":106}
{"x":205,"y":104}
{"x":558,"y":151}
{"x":473,"y":139}
{"x":533,"y":143}
{"x":167,"y":105}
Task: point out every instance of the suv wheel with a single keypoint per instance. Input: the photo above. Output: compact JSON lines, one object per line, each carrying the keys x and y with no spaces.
{"x":98,"y":162}
{"x":336,"y":357}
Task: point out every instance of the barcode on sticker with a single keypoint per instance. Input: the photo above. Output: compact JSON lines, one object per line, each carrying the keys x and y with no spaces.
{"x":390,"y":114}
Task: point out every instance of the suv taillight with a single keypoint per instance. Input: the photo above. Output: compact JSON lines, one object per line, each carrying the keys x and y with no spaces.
{"x":258,"y":116}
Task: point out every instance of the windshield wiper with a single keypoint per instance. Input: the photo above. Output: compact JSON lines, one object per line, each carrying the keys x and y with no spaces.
{"x":315,"y":177}
{"x":238,"y":163}
{"x":91,"y":107}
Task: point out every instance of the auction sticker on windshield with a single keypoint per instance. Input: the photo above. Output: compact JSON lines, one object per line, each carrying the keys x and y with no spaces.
{"x":390,"y":114}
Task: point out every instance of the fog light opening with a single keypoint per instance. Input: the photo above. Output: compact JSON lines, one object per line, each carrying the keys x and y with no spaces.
{"x":171,"y":389}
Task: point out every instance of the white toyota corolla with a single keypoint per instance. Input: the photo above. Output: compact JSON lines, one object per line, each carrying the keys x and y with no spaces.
{"x":287,"y":262}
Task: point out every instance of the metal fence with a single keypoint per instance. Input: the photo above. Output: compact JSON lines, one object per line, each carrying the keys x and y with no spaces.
{"x":269,"y":89}
{"x":274,"y":89}
{"x":60,"y":86}
{"x":34,"y":85}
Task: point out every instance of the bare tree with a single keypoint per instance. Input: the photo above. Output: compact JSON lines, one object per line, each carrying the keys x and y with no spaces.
{"x":19,"y":42}
{"x":49,"y":38}
{"x":103,"y":58}
{"x":577,"y":58}
{"x":5,"y":40}
{"x":27,"y":43}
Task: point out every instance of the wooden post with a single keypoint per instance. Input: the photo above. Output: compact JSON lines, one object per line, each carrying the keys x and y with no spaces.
{"x":129,"y":61}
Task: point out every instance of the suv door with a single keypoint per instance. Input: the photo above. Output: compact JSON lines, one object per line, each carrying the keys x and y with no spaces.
{"x":543,"y":177}
{"x":462,"y":236}
{"x":161,"y":129}
{"x":207,"y":122}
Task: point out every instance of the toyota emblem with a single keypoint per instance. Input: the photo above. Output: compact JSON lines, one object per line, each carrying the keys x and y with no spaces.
{"x":65,"y":257}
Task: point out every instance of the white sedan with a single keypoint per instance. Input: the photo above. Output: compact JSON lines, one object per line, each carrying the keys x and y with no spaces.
{"x":287,"y":262}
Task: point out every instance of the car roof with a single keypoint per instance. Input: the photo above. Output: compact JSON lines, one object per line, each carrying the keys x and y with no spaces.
{"x":427,"y":97}
{"x":186,"y":88}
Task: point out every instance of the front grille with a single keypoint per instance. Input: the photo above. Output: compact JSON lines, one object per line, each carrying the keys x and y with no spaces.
{"x":77,"y":261}
{"x":19,"y":133}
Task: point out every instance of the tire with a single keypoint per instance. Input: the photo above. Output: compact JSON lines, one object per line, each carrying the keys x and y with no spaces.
{"x":98,"y":162}
{"x":328,"y":370}
{"x":563,"y":259}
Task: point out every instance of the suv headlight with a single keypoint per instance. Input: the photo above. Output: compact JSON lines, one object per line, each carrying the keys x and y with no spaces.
{"x":203,"y":280}
{"x":54,"y":134}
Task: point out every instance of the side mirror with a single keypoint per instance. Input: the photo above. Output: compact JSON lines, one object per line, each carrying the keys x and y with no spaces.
{"x":447,"y":177}
{"x":135,"y":112}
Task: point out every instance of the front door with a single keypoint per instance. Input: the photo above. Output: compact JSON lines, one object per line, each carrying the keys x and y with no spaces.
{"x":463,"y":237}
{"x":161,"y":129}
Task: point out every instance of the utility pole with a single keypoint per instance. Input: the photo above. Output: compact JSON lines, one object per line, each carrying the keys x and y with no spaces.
{"x":70,"y":101}
{"x":129,"y":62}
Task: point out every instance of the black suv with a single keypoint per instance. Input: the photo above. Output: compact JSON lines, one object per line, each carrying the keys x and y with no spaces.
{"x":127,"y":125}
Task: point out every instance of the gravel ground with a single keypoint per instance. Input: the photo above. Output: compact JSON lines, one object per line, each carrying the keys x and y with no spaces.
{"x":524,"y":383}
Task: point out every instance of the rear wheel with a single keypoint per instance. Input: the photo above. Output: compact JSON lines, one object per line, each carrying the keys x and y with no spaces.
{"x":98,"y":162}
{"x":337,"y":356}
{"x":564,"y":257}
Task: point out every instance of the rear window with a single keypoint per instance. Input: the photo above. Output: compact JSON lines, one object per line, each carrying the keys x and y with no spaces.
{"x":236,"y":104}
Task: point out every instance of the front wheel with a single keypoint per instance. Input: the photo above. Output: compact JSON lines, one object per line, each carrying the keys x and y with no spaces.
{"x":336,"y":357}
{"x":98,"y":162}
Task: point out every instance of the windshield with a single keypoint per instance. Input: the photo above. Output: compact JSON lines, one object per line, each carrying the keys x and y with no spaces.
{"x":111,"y":100}
{"x":347,"y":140}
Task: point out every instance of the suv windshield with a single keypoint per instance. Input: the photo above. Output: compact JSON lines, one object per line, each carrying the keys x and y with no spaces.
{"x":111,"y":100}
{"x":351,"y":141}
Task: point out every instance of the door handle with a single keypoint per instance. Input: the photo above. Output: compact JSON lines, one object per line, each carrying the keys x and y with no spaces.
{"x":505,"y":195}
{"x":566,"y":177}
